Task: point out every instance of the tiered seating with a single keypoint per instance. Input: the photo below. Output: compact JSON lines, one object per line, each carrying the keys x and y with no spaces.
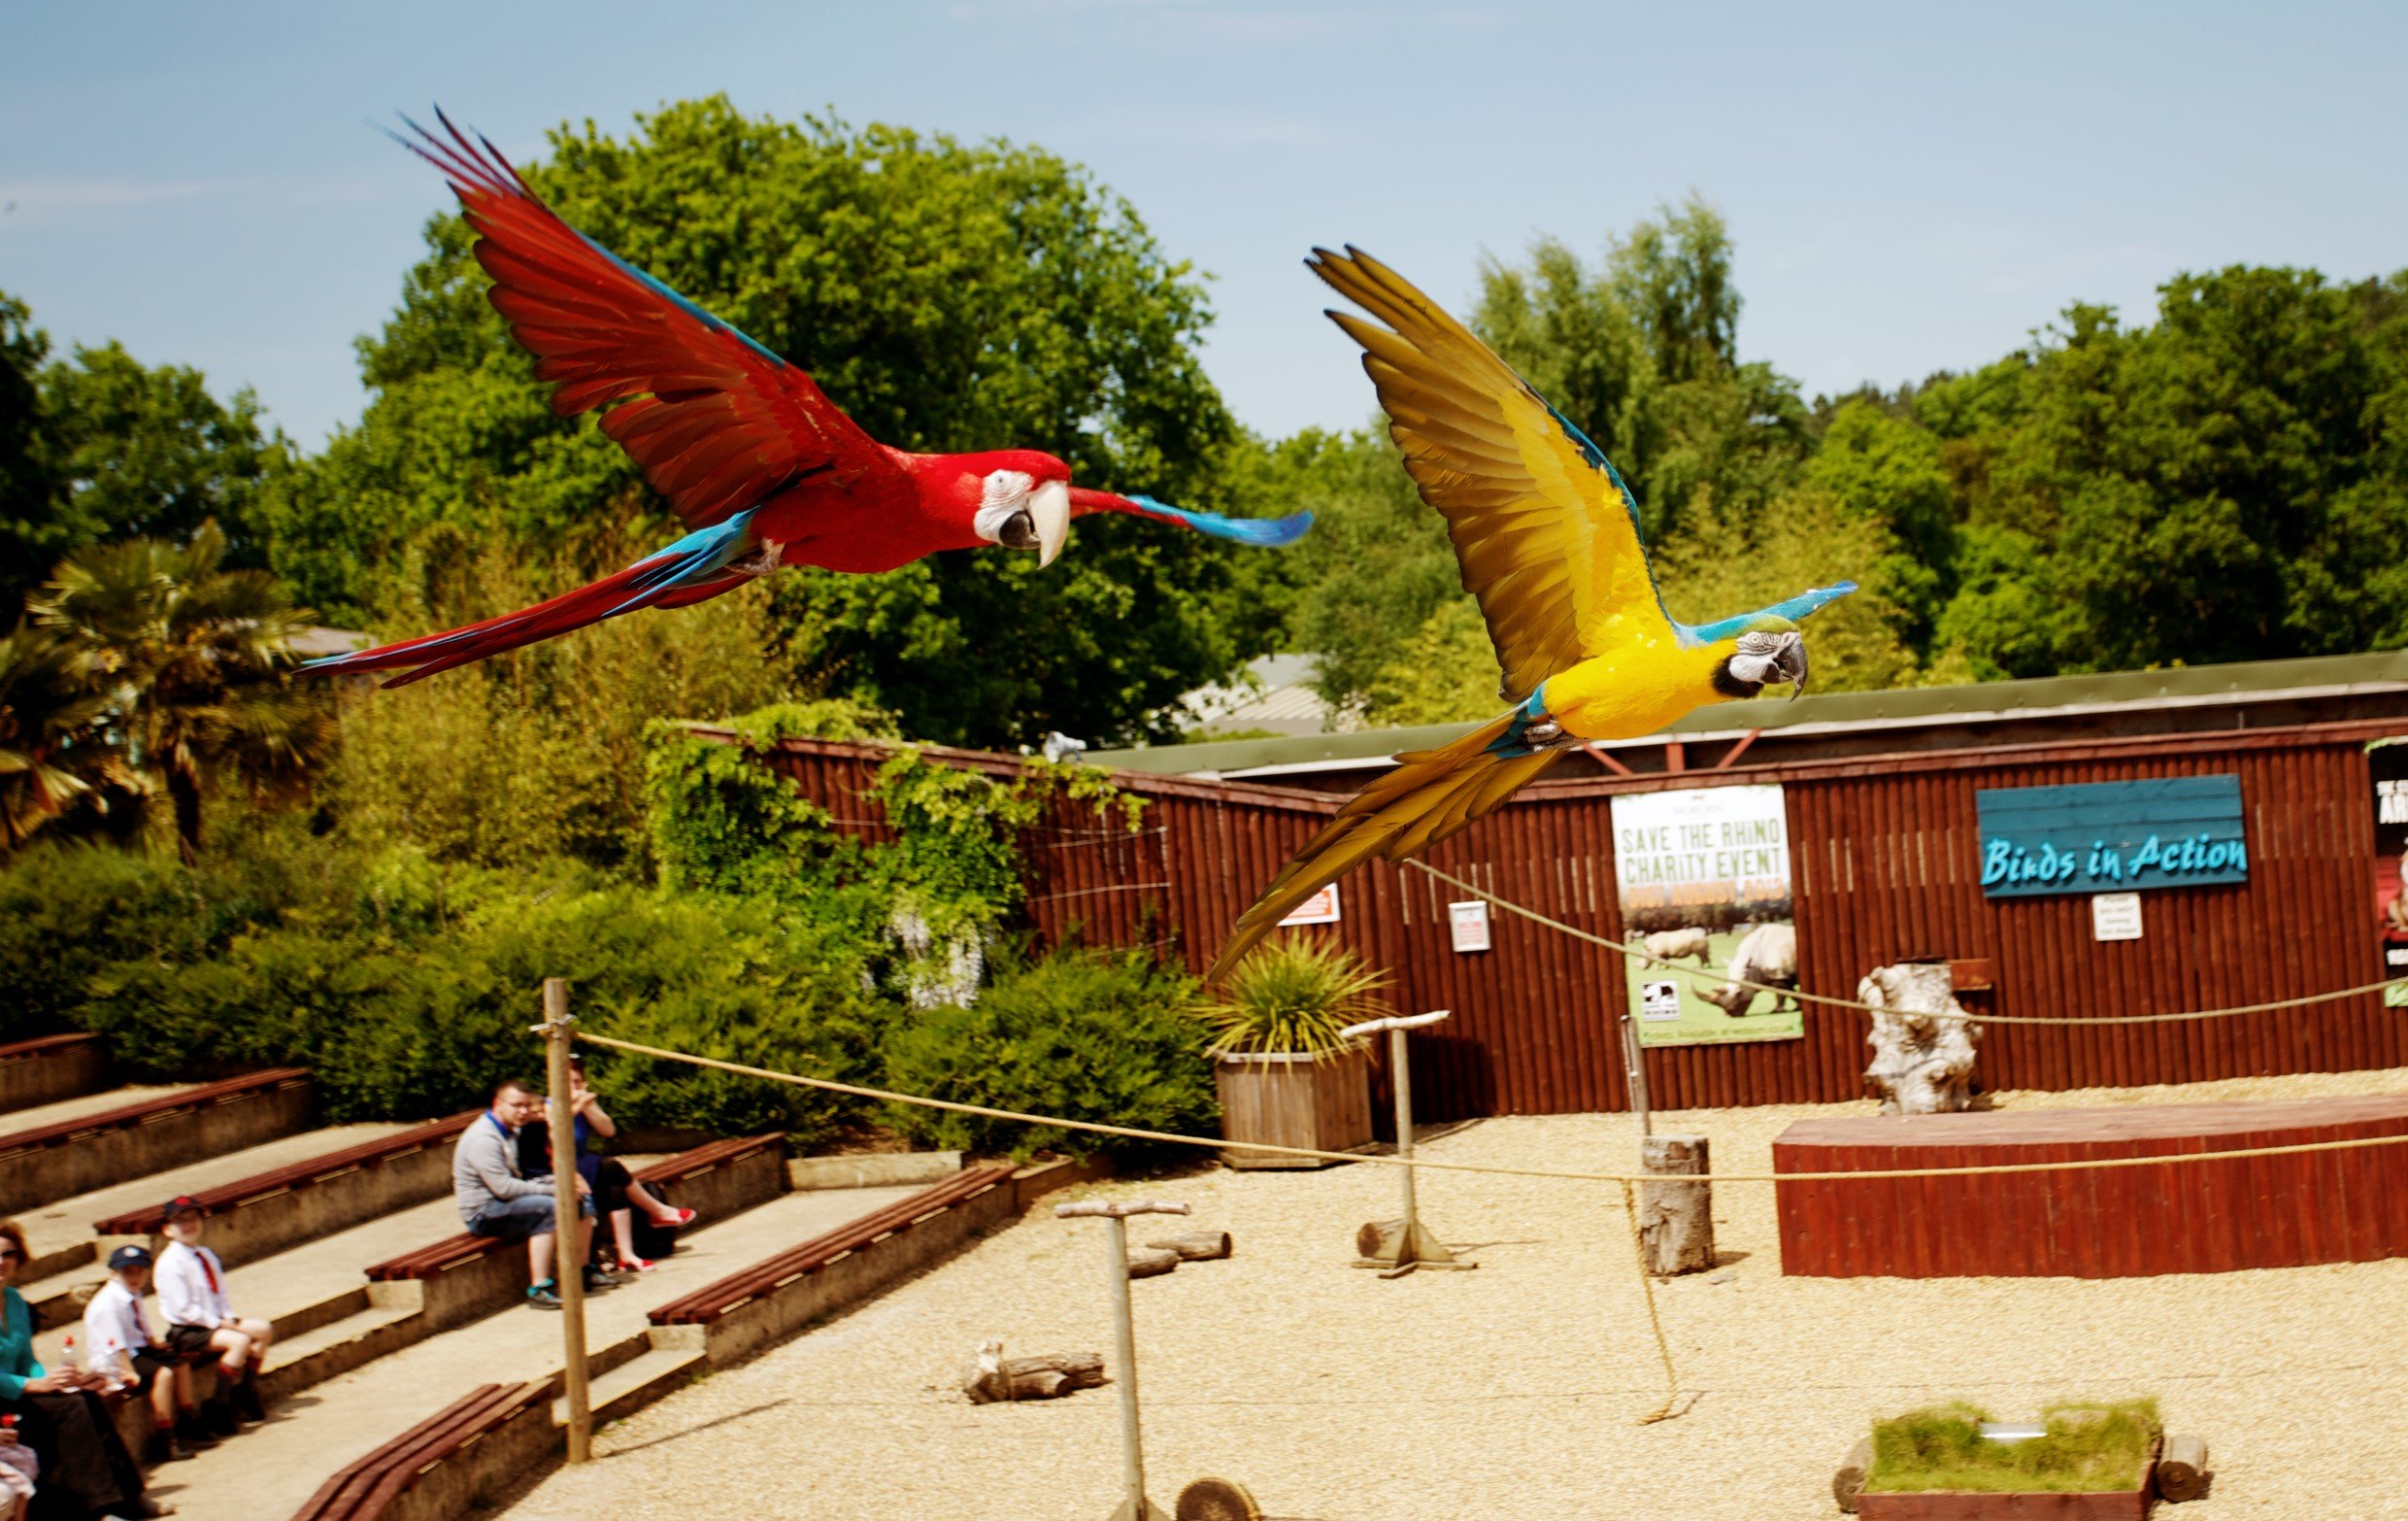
{"x":50,"y":1067}
{"x":408,"y":1477}
{"x":54,"y":1160}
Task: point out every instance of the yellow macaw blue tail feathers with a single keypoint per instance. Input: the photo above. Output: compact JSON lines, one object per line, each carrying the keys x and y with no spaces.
{"x":1432,"y":795}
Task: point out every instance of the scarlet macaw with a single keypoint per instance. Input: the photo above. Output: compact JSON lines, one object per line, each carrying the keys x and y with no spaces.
{"x":1548,"y":538}
{"x":750,"y":453}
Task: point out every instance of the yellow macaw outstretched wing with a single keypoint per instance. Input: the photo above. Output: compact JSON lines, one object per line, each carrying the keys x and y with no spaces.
{"x":1431,"y":794}
{"x":1546,"y":532}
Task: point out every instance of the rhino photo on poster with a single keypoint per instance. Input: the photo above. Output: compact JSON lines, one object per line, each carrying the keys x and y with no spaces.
{"x":2387,"y":760}
{"x":1703,"y":877}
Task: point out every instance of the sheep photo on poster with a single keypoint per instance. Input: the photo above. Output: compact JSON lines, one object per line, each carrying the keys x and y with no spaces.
{"x":1703,"y":877}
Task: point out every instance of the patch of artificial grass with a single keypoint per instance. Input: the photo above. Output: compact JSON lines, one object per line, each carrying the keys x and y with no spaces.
{"x":2087,"y":1447}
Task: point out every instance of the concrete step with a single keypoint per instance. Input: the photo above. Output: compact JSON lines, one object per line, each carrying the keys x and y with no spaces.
{"x":628,"y":1387}
{"x":269,"y":1471}
{"x":50,"y":1068}
{"x":65,"y":1266}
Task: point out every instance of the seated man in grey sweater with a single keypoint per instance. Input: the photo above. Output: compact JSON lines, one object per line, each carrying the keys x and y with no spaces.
{"x":497,"y":1200}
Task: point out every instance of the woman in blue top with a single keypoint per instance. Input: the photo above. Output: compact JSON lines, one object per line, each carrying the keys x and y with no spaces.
{"x":85,"y":1470}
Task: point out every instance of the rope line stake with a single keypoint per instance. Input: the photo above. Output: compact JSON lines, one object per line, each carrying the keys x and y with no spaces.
{"x":1702,"y":973}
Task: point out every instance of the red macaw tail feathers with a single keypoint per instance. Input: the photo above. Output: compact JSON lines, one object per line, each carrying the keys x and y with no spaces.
{"x":1243,"y":530}
{"x":694,"y":569}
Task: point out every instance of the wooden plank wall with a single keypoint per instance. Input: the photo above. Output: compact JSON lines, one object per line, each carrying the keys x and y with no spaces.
{"x":1885,"y":862}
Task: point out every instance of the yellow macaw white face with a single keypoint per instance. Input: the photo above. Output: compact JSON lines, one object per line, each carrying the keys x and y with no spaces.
{"x":1765,"y":657}
{"x":1018,"y":511}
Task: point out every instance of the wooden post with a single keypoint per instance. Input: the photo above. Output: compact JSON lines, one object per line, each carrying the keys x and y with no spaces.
{"x":1635,"y":1075}
{"x":568,"y":1269}
{"x":1676,"y":1220}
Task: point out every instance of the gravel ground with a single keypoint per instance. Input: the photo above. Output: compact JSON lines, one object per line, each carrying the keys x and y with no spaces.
{"x":1513,"y":1390}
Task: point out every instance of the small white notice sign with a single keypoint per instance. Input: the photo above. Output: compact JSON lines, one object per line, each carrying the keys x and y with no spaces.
{"x":1659,"y":1000}
{"x":2115,"y":916}
{"x":1470,"y":923}
{"x":1322,"y":908}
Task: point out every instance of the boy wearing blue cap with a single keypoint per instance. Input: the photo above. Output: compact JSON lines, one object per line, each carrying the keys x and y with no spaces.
{"x":116,"y":1335}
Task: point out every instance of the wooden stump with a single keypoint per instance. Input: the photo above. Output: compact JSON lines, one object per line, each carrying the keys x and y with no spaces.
{"x":1922,"y":1063}
{"x":1149,"y":1262}
{"x":1201,"y":1246}
{"x":1676,"y":1220}
{"x":996,"y":1377}
{"x":2182,"y":1468}
{"x":1849,"y":1482}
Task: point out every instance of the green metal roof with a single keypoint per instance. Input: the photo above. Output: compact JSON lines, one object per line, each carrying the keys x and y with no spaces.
{"x":2181,"y":686}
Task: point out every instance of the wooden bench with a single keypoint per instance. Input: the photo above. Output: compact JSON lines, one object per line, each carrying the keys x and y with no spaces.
{"x":51,"y":1161}
{"x":410,"y":1467}
{"x":50,"y":1068}
{"x":774,"y":1297}
{"x":269,"y":1211}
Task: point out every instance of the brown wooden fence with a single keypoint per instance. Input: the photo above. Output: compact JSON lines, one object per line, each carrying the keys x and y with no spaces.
{"x":1884,"y":868}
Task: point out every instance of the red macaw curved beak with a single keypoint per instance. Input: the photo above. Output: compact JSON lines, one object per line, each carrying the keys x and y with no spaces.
{"x":1049,"y":508}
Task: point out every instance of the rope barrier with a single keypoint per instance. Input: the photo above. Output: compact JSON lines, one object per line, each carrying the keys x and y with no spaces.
{"x":1577,"y":934}
{"x":1655,"y":1321}
{"x":1132,"y":1133}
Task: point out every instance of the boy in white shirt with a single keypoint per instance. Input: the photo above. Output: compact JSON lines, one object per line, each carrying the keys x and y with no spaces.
{"x":192,"y":1296}
{"x":117,"y":1337}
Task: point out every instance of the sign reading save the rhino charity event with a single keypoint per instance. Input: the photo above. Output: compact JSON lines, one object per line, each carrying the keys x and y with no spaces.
{"x":1704,"y":881}
{"x":2170,"y":831}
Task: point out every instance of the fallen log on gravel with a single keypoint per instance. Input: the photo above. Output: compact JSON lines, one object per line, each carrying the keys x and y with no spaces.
{"x":1201,"y":1246}
{"x":2182,"y":1468}
{"x":996,"y":1377}
{"x":1149,"y":1262}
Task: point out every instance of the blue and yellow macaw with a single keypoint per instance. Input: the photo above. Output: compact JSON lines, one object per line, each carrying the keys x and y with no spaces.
{"x":1548,"y":538}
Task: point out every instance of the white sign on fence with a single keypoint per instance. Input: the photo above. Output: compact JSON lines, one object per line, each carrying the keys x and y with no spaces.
{"x":1659,"y":1000}
{"x":1322,"y":908}
{"x":1470,"y":923}
{"x":2115,"y":916}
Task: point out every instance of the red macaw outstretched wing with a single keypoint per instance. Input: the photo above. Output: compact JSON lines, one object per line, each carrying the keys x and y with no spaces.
{"x":715,"y":420}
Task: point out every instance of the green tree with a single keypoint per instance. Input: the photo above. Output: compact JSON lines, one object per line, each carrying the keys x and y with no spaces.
{"x":53,"y":756}
{"x":948,"y":297}
{"x":192,"y":657}
{"x":28,"y":538}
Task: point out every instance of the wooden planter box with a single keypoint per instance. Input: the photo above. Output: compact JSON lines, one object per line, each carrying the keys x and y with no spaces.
{"x":1956,"y":1504}
{"x":1294,"y":1100}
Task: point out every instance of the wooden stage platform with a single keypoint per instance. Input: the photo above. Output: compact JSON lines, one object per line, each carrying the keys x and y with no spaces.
{"x":2331,"y":1206}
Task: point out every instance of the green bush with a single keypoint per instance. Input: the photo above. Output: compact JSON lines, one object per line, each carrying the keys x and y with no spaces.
{"x":1108,"y":1037}
{"x":2085,"y":1447}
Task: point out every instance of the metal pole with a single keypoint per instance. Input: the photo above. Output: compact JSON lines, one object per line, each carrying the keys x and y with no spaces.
{"x":568,"y":1263}
{"x":1403,"y":1077}
{"x":1634,"y":1073}
{"x":1125,"y":1348}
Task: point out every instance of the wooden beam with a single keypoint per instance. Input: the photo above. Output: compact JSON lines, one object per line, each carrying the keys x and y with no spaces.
{"x":1676,"y":755}
{"x":1737,"y":750}
{"x":1606,"y":760}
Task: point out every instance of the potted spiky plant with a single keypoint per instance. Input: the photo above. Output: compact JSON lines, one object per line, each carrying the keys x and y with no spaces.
{"x":1287,"y":1077}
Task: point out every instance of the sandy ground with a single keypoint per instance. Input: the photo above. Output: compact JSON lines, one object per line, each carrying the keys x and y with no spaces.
{"x":1515,"y":1390}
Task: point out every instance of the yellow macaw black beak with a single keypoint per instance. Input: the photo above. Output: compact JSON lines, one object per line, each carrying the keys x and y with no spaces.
{"x":1048,"y":509}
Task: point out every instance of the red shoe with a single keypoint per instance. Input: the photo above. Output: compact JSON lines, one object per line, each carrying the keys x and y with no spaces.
{"x":636,"y":1265}
{"x":675,"y":1217}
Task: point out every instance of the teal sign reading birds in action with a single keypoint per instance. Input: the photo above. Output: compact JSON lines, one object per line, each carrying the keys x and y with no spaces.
{"x":2112,"y":836}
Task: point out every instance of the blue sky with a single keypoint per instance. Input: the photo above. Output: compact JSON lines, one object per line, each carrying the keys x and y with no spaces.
{"x":1909,"y":186}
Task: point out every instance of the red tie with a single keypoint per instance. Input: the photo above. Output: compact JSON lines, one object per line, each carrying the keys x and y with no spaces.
{"x":207,"y":1272}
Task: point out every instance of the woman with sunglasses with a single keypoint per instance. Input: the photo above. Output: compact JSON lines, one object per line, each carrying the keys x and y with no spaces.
{"x":60,"y":1416}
